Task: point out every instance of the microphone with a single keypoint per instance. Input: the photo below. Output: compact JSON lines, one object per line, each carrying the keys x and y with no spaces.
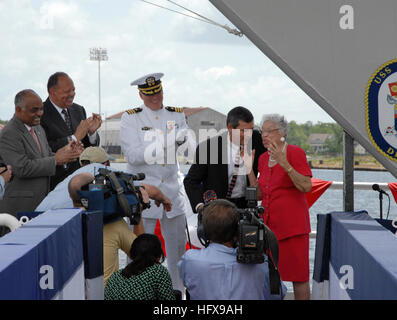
{"x":377,"y":188}
{"x":138,"y":176}
{"x":208,"y":196}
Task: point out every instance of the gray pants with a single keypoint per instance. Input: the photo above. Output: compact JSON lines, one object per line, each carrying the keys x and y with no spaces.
{"x":174,"y":234}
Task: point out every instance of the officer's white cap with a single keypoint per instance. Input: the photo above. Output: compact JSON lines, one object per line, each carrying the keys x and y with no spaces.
{"x":149,"y":84}
{"x":143,"y":80}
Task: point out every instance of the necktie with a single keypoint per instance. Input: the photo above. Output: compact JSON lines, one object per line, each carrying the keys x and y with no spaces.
{"x":68,"y":121}
{"x":234,"y":177}
{"x":35,"y":138}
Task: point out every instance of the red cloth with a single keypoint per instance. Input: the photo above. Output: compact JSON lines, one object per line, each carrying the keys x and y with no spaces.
{"x":393,"y":189}
{"x":286,"y":208}
{"x":318,"y":188}
{"x":157,"y":232}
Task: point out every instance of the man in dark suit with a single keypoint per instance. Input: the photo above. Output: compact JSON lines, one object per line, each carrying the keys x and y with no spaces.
{"x":23,"y":146}
{"x":215,"y":165}
{"x":64,"y":121}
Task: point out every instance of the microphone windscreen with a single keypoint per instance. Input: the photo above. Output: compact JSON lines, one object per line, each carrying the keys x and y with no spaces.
{"x":375,"y":187}
{"x":209,"y":195}
{"x":140,"y":176}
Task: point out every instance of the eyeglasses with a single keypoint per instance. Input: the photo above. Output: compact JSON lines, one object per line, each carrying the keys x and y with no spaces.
{"x":266,"y":132}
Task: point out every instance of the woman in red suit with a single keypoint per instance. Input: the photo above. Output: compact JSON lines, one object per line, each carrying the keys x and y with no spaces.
{"x":284,"y":177}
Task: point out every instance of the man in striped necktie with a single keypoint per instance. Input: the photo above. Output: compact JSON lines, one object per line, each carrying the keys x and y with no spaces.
{"x":223,"y":162}
{"x":63,"y":121}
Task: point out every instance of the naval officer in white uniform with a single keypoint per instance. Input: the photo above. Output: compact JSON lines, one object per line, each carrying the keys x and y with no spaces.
{"x":150,"y":136}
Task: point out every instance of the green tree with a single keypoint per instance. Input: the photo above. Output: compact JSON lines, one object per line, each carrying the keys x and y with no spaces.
{"x":298,"y":135}
{"x":334,"y":145}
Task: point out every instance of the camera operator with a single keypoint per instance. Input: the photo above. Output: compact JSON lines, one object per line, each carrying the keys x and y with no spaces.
{"x":213,"y":273}
{"x":5,"y":176}
{"x":116,"y":234}
{"x":91,"y":160}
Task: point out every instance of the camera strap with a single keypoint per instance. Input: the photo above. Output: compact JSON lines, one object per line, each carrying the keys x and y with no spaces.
{"x":120,"y":194}
{"x":272,"y":254}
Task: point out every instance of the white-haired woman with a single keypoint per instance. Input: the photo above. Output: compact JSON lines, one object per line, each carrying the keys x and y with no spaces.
{"x":284,"y":177}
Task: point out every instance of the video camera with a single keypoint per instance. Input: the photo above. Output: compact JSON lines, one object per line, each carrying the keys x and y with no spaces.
{"x":255,"y":239}
{"x":251,"y":231}
{"x":115,"y":194}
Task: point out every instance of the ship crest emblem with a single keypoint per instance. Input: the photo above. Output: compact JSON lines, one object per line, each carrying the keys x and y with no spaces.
{"x":381,"y":109}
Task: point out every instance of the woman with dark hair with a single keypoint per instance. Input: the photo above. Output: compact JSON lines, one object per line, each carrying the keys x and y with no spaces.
{"x":144,"y":278}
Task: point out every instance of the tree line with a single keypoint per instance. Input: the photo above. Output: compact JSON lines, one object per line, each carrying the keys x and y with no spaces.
{"x":299,"y":135}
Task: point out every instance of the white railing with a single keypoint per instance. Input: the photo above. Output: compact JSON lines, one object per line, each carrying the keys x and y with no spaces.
{"x":338,"y":185}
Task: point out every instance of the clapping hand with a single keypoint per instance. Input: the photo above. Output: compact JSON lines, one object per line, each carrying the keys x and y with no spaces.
{"x":95,"y":123}
{"x":77,"y":146}
{"x":69,"y":153}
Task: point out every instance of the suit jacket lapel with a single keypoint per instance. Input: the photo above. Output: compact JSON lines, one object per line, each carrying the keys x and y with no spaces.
{"x":75,"y":116}
{"x":42,"y":140}
{"x":74,"y":119}
{"x":224,"y":157}
{"x":26,"y":134}
{"x":57,"y":118}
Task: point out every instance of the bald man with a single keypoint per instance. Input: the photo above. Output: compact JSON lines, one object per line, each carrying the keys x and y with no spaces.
{"x":24,"y":146}
{"x":116,"y":235}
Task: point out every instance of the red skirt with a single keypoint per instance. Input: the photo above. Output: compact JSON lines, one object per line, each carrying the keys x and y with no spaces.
{"x":294,"y":258}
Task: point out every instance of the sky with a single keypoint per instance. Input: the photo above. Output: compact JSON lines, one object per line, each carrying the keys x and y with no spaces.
{"x":203,"y":64}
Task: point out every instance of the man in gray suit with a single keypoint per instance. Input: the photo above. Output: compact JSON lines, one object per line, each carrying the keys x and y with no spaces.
{"x":24,"y":146}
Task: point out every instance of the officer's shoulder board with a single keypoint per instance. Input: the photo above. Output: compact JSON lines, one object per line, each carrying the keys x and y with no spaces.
{"x":133,"y":111}
{"x":174,"y":109}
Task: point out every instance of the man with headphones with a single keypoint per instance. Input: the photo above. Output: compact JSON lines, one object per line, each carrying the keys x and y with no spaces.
{"x":213,"y":273}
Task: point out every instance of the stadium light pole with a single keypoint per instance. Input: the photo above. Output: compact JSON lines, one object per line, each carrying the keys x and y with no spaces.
{"x":99,"y":54}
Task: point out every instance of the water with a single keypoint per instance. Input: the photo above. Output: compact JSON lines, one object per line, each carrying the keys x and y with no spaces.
{"x":332,"y":200}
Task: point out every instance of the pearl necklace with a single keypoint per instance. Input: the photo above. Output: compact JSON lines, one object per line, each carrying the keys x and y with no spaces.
{"x":270,"y":156}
